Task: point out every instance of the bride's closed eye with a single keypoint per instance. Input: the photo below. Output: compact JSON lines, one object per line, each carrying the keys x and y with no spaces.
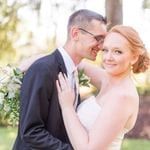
{"x":105,"y":50}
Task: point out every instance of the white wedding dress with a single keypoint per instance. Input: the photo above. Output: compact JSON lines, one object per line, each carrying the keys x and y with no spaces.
{"x":88,"y":111}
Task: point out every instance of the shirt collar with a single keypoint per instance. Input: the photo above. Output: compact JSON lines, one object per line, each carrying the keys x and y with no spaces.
{"x":70,"y":66}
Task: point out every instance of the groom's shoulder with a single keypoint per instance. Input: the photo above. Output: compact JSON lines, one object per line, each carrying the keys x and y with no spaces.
{"x":48,"y":58}
{"x":46,"y":61}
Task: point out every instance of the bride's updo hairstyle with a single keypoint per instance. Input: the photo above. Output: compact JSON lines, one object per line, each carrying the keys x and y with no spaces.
{"x":136,"y":45}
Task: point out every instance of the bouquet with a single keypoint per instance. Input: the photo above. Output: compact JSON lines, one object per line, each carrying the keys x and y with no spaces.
{"x":10,"y":83}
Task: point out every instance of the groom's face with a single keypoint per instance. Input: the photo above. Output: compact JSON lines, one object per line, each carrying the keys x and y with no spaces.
{"x":91,"y":39}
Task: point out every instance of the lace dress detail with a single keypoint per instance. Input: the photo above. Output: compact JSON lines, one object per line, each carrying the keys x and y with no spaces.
{"x":88,"y":112}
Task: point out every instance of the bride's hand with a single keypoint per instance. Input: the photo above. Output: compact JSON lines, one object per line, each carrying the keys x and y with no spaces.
{"x":66,"y":94}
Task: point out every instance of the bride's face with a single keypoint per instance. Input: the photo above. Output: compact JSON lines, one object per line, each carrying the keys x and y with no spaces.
{"x":117,"y":57}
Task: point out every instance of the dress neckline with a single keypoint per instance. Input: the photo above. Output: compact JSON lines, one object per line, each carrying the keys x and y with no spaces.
{"x":92,"y":98}
{"x":125,"y":130}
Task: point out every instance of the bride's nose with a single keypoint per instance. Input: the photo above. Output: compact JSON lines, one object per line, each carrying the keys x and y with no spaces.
{"x":108,"y":56}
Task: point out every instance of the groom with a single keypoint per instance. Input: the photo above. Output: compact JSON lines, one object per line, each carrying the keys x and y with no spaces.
{"x":41,"y":125}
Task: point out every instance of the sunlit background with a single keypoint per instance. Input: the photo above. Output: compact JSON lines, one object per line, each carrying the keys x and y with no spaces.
{"x":33,"y":27}
{"x":41,"y":25}
{"x":52,"y":20}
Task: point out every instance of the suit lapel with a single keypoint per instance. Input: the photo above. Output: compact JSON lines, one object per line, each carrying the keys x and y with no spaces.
{"x":62,"y":67}
{"x":59,"y":58}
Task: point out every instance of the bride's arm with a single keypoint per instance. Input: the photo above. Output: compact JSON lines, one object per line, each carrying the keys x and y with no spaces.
{"x":93,"y":71}
{"x":108,"y":125}
{"x":71,"y":121}
{"x":102,"y":133}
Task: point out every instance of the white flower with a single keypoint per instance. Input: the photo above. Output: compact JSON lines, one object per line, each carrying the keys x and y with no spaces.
{"x":11,"y":94}
{"x":1,"y":98}
{"x":6,"y":108}
{"x":10,"y":82}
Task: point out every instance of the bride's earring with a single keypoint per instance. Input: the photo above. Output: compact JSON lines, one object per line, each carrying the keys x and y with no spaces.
{"x":131,"y":67}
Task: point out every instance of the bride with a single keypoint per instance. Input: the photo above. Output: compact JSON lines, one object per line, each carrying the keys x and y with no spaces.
{"x":101,"y":121}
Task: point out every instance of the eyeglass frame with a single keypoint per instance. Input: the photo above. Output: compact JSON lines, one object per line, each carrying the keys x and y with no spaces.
{"x":98,"y":38}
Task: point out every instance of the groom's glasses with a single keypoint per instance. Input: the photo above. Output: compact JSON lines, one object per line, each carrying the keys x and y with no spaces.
{"x":98,"y":38}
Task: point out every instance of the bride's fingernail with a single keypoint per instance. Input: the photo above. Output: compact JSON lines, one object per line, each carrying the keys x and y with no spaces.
{"x":60,"y":74}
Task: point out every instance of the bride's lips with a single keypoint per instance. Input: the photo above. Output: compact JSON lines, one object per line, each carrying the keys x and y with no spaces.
{"x":109,"y":64}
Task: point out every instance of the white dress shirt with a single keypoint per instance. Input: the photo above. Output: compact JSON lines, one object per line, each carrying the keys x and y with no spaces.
{"x":70,"y":66}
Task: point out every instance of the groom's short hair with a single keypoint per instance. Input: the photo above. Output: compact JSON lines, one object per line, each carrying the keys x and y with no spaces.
{"x":83,"y":17}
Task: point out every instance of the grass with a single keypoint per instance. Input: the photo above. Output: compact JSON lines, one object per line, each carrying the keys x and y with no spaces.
{"x":7,"y":137}
{"x":136,"y":144}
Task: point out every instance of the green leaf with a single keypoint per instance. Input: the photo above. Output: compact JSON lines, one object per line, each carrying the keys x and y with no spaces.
{"x":83,"y":79}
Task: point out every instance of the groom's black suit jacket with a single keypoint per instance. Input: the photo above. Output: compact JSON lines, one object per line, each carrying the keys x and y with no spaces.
{"x":41,"y":125}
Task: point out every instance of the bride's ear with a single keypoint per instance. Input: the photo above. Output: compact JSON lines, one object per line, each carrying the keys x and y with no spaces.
{"x":134,"y":59}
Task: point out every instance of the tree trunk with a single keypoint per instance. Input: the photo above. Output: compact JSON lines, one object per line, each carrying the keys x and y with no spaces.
{"x":113,"y":12}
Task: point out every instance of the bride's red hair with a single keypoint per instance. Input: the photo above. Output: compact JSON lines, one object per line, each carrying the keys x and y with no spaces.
{"x":136,"y":45}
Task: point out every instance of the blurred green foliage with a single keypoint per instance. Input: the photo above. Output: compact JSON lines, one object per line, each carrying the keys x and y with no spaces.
{"x":143,"y":83}
{"x":10,"y":84}
{"x":146,"y":4}
{"x":8,"y":136}
{"x":83,"y":79}
{"x":8,"y":28}
{"x":9,"y":22}
{"x":136,"y":144}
